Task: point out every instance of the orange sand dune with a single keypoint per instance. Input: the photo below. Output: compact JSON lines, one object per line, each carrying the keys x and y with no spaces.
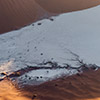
{"x":17,"y":13}
{"x":84,"y":86}
{"x":77,"y":87}
{"x":61,"y":6}
{"x":9,"y":92}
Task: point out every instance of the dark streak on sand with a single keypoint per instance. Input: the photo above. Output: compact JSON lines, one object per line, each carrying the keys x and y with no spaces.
{"x":20,"y":72}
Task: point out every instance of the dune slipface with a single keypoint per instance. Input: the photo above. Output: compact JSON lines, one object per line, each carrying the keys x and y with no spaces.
{"x":17,"y":13}
{"x":61,"y":6}
{"x":85,"y":86}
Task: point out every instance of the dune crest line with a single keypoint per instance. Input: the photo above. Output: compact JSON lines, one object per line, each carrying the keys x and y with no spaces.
{"x":15,"y":14}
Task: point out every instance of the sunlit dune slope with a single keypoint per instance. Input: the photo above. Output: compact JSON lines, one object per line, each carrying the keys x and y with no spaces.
{"x":9,"y":92}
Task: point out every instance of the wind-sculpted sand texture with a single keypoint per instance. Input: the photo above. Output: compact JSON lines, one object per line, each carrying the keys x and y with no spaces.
{"x":15,"y":14}
{"x":62,"y":6}
{"x":85,"y":86}
{"x":8,"y":91}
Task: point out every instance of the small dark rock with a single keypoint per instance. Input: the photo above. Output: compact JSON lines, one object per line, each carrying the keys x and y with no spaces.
{"x":41,"y":53}
{"x":37,"y":77}
{"x":41,"y":77}
{"x":39,"y":23}
{"x":32,"y":24}
{"x":47,"y":71}
{"x":25,"y":75}
{"x":51,"y":19}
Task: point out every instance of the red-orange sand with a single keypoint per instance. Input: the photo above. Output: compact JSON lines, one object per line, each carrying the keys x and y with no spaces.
{"x":17,"y":13}
{"x":62,"y":6}
{"x":84,"y":86}
{"x":9,"y":92}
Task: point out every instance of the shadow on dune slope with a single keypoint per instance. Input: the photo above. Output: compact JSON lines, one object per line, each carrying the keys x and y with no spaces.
{"x":62,"y":6}
{"x":84,"y":86}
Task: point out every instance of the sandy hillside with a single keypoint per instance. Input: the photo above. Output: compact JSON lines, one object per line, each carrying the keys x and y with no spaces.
{"x":84,"y":86}
{"x":49,"y":43}
{"x":9,"y":92}
{"x":61,"y":6}
{"x":17,"y":13}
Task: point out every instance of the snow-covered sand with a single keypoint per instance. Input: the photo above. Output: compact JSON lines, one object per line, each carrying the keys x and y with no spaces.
{"x":77,"y":32}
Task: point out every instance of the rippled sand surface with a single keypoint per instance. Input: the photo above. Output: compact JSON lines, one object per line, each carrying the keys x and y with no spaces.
{"x":8,"y":91}
{"x":17,"y":13}
{"x":84,"y":86}
{"x":62,"y":6}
